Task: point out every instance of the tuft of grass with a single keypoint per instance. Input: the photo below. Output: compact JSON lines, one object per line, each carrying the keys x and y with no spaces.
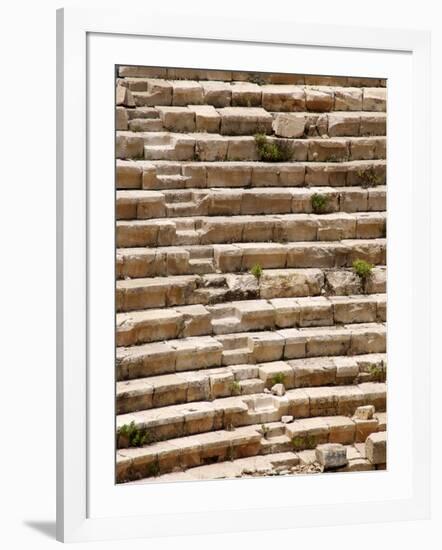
{"x":135,"y":436}
{"x":278,"y":150}
{"x":368,"y":177}
{"x":302,"y":442}
{"x":363,"y":269}
{"x":319,"y":203}
{"x":256,"y":271}
{"x":278,"y":378}
{"x":235,"y":388}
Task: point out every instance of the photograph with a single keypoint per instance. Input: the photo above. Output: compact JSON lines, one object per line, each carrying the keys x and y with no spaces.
{"x":250,"y":274}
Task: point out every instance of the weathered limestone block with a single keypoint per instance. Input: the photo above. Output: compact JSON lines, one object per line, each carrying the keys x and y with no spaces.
{"x":315,"y":311}
{"x":313,"y":372}
{"x":228,"y":175}
{"x":246,"y":94}
{"x":266,"y":346}
{"x":377,"y":281}
{"x":207,"y":118}
{"x":336,"y":226}
{"x":128,"y":175}
{"x":363,"y":149}
{"x":331,"y":150}
{"x":146,"y":125}
{"x":353,"y":309}
{"x":354,"y":200}
{"x":348,"y":99}
{"x":221,"y":230}
{"x":291,"y":175}
{"x":177,"y":119}
{"x":347,"y":370}
{"x":211,"y":147}
{"x":372,"y":251}
{"x":365,"y":412}
{"x":152,"y":325}
{"x":242,"y":148}
{"x":159,"y":92}
{"x":371,"y":225}
{"x":331,"y":455}
{"x":364,"y":428}
{"x":187,"y":92}
{"x":129,"y":145}
{"x":218,"y":94}
{"x":373,"y":124}
{"x":266,"y":201}
{"x":227,"y":257}
{"x":308,"y":432}
{"x":196,"y":320}
{"x":121,"y":119}
{"x":321,"y":174}
{"x":341,"y":430}
{"x":348,"y":399}
{"x":286,"y":312}
{"x":142,"y":72}
{"x":343,"y":124}
{"x":367,"y":339}
{"x":197,"y":353}
{"x":376,"y":448}
{"x":322,"y":341}
{"x":283,"y":98}
{"x":264,"y":175}
{"x":295,"y":227}
{"x":298,"y":403}
{"x":319,"y":100}
{"x":124,"y":97}
{"x":238,"y":121}
{"x":295,"y":343}
{"x":377,"y":199}
{"x":275,"y":373}
{"x":322,"y":254}
{"x":145,"y":360}
{"x":289,"y":125}
{"x":375,"y":99}
{"x":267,"y":255}
{"x":343,"y":282}
{"x":280,"y":283}
{"x":255,"y":314}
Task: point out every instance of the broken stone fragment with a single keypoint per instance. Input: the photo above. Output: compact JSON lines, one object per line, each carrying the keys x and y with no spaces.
{"x":286,"y":419}
{"x":331,"y":455}
{"x":278,"y":389}
{"x":364,"y":413}
{"x":376,"y":448}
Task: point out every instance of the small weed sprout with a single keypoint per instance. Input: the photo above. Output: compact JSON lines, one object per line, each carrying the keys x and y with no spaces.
{"x":265,"y":430}
{"x":277,"y":151}
{"x":278,"y":378}
{"x":302,"y":442}
{"x":135,"y":436}
{"x":257,"y":271}
{"x":363,"y":269}
{"x":319,"y":203}
{"x":368,"y":177}
{"x":235,"y":388}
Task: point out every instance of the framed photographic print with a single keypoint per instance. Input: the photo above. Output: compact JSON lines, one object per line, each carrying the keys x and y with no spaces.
{"x":224,"y":360}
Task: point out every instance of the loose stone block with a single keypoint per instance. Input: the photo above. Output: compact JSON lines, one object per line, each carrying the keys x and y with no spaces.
{"x":376,"y":448}
{"x":289,"y":125}
{"x":331,"y":455}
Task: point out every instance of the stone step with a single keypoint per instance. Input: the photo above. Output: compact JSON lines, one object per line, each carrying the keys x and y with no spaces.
{"x":255,"y":120}
{"x":140,"y":174}
{"x":216,"y":147}
{"x":137,"y":327}
{"x":220,"y":445}
{"x":244,"y":379}
{"x":181,"y":290}
{"x":170,"y":422}
{"x":147,"y":204}
{"x":151,"y":92}
{"x":135,"y":77}
{"x":279,"y":228}
{"x":240,"y":257}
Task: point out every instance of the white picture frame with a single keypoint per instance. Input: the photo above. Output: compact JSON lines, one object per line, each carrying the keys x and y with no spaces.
{"x":89,"y":505}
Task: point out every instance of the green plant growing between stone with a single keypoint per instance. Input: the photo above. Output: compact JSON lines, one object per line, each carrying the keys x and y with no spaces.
{"x":278,"y":378}
{"x":235,"y":388}
{"x":368,"y":177}
{"x":257,"y":271}
{"x":319,"y":203}
{"x":378,"y":372}
{"x":363,"y":269}
{"x":302,"y":442}
{"x":277,"y":151}
{"x":265,"y":430}
{"x":133,"y":436}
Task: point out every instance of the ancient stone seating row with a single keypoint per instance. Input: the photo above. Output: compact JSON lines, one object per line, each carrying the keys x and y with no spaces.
{"x":216,"y":147}
{"x":148,"y":204}
{"x":241,"y":121}
{"x":186,"y":386}
{"x":164,"y":175}
{"x":229,"y":445}
{"x":131,"y":74}
{"x":154,"y":92}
